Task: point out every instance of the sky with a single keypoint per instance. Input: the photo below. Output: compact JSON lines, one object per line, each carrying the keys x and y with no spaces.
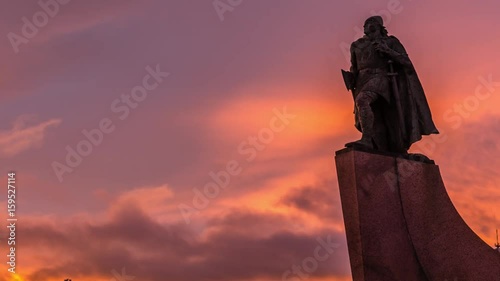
{"x":119,"y":116}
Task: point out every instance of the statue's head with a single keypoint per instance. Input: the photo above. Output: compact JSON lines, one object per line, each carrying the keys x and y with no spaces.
{"x":374,"y":27}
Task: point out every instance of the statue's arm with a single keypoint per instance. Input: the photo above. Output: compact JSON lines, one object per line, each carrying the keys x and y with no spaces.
{"x":398,"y":53}
{"x":354,"y":65}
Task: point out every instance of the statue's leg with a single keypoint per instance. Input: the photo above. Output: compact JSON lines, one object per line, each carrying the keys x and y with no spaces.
{"x":380,"y":131}
{"x":363,"y":102}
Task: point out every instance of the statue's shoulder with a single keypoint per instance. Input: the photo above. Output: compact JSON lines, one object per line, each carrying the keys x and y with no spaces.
{"x":360,"y":42}
{"x":394,"y":40}
{"x":395,"y":44}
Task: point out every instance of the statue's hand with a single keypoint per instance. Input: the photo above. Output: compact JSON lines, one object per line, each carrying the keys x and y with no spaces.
{"x":382,"y":47}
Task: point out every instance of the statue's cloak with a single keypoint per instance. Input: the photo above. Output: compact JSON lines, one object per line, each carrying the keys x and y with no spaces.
{"x":415,"y":109}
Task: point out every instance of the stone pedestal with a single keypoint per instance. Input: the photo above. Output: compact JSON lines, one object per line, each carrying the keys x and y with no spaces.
{"x":401,"y":224}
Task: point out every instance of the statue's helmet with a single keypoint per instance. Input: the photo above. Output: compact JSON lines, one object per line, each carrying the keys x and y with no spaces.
{"x":375,"y":19}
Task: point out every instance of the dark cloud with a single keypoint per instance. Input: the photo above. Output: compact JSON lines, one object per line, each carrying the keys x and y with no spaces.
{"x":152,"y":251}
{"x":321,"y":200}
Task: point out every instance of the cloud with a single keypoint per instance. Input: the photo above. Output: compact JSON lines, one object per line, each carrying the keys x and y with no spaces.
{"x":72,"y":17}
{"x":23,"y":137}
{"x":317,"y":200}
{"x":155,"y":201}
{"x":130,"y":238}
{"x":49,"y":57}
{"x":468,"y":160}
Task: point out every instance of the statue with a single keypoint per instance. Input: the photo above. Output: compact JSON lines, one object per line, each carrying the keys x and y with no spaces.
{"x":391,"y":110}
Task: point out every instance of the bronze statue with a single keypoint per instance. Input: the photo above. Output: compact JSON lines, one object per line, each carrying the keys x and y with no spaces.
{"x":391,"y":110}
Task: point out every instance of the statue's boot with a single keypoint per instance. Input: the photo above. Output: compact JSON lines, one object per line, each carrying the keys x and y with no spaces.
{"x":364,"y":142}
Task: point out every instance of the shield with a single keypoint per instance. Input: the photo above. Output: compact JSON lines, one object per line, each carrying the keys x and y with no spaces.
{"x":348,"y":79}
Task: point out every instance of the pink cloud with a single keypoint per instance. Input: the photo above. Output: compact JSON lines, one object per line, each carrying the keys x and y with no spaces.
{"x":23,"y":137}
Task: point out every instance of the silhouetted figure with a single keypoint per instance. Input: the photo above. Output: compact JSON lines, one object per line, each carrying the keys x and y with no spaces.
{"x":391,"y":110}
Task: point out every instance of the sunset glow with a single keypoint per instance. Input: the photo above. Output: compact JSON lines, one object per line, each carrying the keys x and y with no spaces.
{"x":251,"y":113}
